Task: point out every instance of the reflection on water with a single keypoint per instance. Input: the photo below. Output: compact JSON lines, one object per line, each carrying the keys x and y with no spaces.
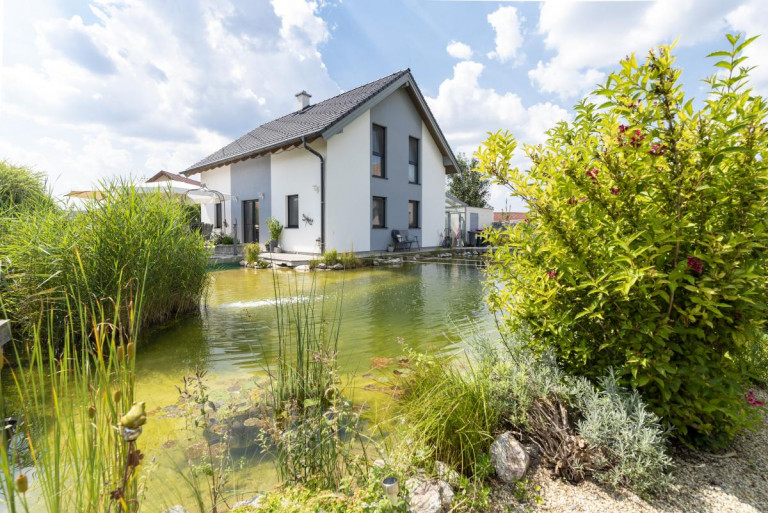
{"x":233,"y":338}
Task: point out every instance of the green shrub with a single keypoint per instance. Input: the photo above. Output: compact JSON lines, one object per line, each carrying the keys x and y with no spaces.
{"x":645,"y":245}
{"x":22,"y":189}
{"x":251,"y":252}
{"x":222,"y":239}
{"x":52,"y":258}
{"x":447,"y":412}
{"x":629,"y":440}
{"x":275,"y":228}
{"x":350,"y":261}
{"x":754,"y":359}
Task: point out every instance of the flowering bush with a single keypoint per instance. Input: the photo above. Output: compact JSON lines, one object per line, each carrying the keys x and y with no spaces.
{"x":645,"y":245}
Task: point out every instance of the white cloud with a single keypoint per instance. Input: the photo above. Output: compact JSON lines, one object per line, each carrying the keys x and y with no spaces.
{"x":150,"y":85}
{"x":459,"y":50}
{"x":588,"y":37}
{"x":752,"y":19}
{"x":509,"y":37}
{"x":466,"y":111}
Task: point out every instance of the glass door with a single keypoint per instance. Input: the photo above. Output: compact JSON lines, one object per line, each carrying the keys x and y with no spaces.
{"x":250,"y":221}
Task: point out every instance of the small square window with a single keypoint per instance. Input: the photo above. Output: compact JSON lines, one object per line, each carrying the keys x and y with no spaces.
{"x":293,"y":211}
{"x":413,"y":214}
{"x":413,"y":160}
{"x":379,"y":212}
{"x":378,"y":151}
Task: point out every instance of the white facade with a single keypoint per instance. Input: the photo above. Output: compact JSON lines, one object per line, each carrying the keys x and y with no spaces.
{"x":272,"y":178}
{"x":348,"y":187}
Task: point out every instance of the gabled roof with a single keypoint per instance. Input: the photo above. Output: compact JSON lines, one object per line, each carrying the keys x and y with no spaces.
{"x":167,"y":175}
{"x":324,"y":119}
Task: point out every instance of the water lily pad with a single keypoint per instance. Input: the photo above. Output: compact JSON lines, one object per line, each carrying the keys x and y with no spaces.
{"x":168,"y":444}
{"x":379,"y":362}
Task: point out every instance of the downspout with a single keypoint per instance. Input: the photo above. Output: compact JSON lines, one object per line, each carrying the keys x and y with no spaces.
{"x":322,"y":193}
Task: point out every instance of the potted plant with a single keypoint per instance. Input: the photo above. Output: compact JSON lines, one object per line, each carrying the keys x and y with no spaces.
{"x":391,"y":247}
{"x":275,"y":229}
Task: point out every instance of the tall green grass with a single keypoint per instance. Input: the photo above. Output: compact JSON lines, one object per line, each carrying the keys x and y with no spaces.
{"x":69,"y":402}
{"x":447,"y":412}
{"x":312,"y":426}
{"x":52,"y":258}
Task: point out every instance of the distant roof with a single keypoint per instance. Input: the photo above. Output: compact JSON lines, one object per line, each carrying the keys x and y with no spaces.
{"x":167,"y":175}
{"x":325,"y":119}
{"x":508,"y":217}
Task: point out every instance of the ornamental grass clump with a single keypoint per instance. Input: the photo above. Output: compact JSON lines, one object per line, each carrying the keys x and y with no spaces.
{"x":645,"y":245}
{"x":54,"y":258}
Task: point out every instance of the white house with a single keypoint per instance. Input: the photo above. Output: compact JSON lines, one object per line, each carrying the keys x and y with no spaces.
{"x":340,"y":174}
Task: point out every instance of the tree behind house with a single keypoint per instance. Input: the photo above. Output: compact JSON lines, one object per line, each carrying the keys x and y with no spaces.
{"x":468,"y":185}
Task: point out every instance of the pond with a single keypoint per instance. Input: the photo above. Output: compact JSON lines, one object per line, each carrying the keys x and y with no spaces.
{"x":425,"y":307}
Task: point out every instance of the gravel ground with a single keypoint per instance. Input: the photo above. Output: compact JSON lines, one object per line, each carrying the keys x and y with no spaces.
{"x":736,"y":481}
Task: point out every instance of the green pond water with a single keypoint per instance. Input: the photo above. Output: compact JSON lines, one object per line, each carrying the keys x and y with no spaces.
{"x":424,"y":306}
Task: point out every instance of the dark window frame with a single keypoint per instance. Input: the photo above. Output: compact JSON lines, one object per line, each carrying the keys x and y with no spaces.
{"x":413,"y":163}
{"x":383,"y":215}
{"x":288,"y":223}
{"x":217,"y":216}
{"x":416,"y":205}
{"x":382,"y":154}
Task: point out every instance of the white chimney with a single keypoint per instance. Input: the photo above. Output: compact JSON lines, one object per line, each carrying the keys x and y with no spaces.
{"x":302,"y":100}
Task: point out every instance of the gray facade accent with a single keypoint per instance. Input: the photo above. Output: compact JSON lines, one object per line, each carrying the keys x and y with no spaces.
{"x":401,"y":119}
{"x":251,"y":179}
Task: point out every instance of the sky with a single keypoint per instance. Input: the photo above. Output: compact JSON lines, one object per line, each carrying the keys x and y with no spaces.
{"x":103,"y":88}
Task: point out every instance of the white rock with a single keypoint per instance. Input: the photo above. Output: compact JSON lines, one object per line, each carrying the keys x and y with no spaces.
{"x":243,"y":262}
{"x":175,"y":509}
{"x":509,"y":458}
{"x":301,"y":268}
{"x":446,"y":473}
{"x":253,"y":503}
{"x":322,"y":266}
{"x":337,"y":267}
{"x":428,"y":496}
{"x":379,"y":463}
{"x":393,"y":261}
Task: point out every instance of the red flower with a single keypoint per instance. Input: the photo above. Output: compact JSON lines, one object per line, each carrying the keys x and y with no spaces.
{"x":571,"y":200}
{"x":751,"y":399}
{"x":637,"y":139}
{"x":657,"y":150}
{"x":695,"y":265}
{"x":614,"y":191}
{"x":583,"y":200}
{"x":592,"y":174}
{"x":622,"y":129}
{"x":552,"y":274}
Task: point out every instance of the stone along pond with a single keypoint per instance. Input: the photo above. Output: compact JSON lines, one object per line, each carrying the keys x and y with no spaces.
{"x":423,"y":306}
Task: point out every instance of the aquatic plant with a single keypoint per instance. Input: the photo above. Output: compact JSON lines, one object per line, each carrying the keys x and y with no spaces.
{"x":62,"y":262}
{"x":312,"y":426}
{"x":76,"y":427}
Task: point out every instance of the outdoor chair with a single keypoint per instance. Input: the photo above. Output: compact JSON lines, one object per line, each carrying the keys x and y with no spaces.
{"x":403,"y":240}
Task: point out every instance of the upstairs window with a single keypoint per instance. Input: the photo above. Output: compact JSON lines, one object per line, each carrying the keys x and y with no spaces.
{"x":378,"y":150}
{"x":379,"y":212}
{"x":413,"y":214}
{"x":293,"y":211}
{"x":413,"y":160}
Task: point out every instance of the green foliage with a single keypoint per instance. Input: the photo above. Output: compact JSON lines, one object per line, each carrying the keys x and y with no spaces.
{"x":312,"y":428}
{"x":222,"y":239}
{"x":52,"y":258}
{"x":22,"y":189}
{"x":251,"y":252}
{"x":275,"y":228}
{"x":629,"y":441}
{"x":467,"y":184}
{"x":68,"y":397}
{"x":754,"y":359}
{"x":646,"y":243}
{"x":448,"y":412}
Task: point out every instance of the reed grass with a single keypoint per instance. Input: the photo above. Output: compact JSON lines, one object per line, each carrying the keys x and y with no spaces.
{"x":52,"y":257}
{"x":313,"y":427}
{"x":68,"y":398}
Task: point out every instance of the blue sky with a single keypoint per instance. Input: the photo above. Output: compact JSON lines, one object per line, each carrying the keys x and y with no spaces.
{"x":93,"y":89}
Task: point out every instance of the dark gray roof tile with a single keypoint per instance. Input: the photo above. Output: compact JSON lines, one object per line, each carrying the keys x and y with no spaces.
{"x":309,"y":121}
